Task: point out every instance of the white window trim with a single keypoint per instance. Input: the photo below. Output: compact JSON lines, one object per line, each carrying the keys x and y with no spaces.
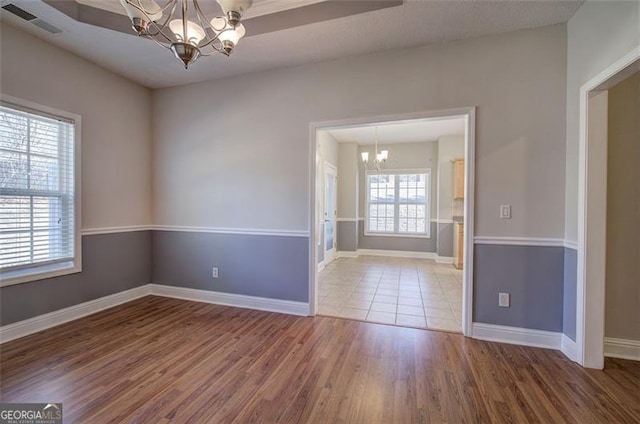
{"x":427,"y":235}
{"x":74,"y":265}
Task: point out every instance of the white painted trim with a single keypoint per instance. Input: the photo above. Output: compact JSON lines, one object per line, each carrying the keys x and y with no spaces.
{"x":568,"y":347}
{"x":214,"y":230}
{"x":61,"y":316}
{"x":113,"y":230}
{"x":516,"y":335}
{"x":622,"y":348}
{"x":443,"y":221}
{"x":321,"y":266}
{"x":242,"y":231}
{"x":520,"y":241}
{"x":346,"y":219}
{"x":32,"y":273}
{"x":394,"y":254}
{"x":591,"y":255}
{"x":469,"y":113}
{"x":571,"y":244}
{"x":345,"y":254}
{"x":469,"y":216}
{"x":444,"y":259}
{"x":236,"y":300}
{"x":397,"y":253}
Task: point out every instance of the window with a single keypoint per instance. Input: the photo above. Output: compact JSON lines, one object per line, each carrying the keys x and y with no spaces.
{"x":398,"y":203}
{"x":39,"y":234}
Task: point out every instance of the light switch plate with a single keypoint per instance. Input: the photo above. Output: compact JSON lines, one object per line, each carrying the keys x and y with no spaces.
{"x":505,"y":211}
{"x":503,"y":300}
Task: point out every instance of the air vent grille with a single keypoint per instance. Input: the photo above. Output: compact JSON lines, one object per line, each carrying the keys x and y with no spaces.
{"x":21,"y":13}
{"x":46,"y":26}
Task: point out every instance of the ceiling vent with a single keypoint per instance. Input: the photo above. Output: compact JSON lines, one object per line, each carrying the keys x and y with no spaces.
{"x":23,"y":14}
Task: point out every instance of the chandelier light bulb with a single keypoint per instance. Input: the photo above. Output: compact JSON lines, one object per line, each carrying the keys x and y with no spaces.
{"x":365,"y":157}
{"x":195,"y":33}
{"x":136,"y":9}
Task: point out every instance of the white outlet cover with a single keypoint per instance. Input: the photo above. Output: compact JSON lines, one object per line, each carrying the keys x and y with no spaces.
{"x":503,"y":300}
{"x":214,"y":272}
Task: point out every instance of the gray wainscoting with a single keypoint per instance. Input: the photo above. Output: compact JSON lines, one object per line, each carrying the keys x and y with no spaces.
{"x":111,"y":263}
{"x":275,"y":267}
{"x":533,"y":275}
{"x":348,"y":236}
{"x":570,"y":293}
{"x":407,"y":244}
{"x":445,"y":240}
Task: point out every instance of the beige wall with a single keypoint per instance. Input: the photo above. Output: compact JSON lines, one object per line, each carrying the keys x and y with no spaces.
{"x":623,"y":211}
{"x":599,"y":33}
{"x":449,"y":147}
{"x":348,"y":175}
{"x":225,"y":150}
{"x":116,"y":124}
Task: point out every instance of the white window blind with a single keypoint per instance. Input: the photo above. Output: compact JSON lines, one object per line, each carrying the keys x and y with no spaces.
{"x":37,"y":212}
{"x":398,"y":203}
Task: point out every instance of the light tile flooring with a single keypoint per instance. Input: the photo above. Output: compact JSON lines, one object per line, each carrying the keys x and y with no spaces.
{"x":399,"y":291}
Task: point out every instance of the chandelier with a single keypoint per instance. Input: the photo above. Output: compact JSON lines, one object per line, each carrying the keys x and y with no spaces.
{"x":185,"y":31}
{"x":380,"y":158}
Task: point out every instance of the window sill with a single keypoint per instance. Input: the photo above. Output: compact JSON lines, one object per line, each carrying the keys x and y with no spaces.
{"x":19,"y":276}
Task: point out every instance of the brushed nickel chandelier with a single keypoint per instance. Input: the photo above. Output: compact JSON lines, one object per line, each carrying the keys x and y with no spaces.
{"x":379,"y":158}
{"x":185,"y":30}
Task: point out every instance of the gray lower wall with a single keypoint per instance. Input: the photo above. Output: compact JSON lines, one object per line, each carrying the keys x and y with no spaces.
{"x":570,"y":293}
{"x":257,"y":265}
{"x":348,"y":236}
{"x":533,"y":275}
{"x":407,"y":244}
{"x":111,"y":263}
{"x":445,"y":240}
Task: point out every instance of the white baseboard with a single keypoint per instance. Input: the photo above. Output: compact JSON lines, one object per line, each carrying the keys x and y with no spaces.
{"x":395,"y":254}
{"x":569,"y":347}
{"x":345,"y":254}
{"x":621,"y":348}
{"x":237,"y":300}
{"x":61,"y":316}
{"x":516,"y":335}
{"x":444,"y":260}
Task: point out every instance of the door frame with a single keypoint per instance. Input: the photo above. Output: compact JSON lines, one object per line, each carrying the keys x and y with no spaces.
{"x":469,"y":114}
{"x":329,"y":168}
{"x":592,"y":207}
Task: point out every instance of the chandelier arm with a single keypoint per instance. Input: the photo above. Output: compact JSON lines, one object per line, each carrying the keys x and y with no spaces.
{"x":209,"y":41}
{"x":160,"y":43}
{"x":138,"y":5}
{"x":160,"y":28}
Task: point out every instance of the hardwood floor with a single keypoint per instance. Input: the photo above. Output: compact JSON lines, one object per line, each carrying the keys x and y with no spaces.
{"x":159,"y":360}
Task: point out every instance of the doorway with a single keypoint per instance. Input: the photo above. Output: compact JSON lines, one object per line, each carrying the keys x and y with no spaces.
{"x":592,"y":207}
{"x":416,"y":277}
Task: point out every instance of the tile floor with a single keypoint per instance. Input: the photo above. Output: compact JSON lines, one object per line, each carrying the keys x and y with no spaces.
{"x":399,"y":291}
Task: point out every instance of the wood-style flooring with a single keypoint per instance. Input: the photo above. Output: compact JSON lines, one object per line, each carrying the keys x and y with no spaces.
{"x":159,"y":360}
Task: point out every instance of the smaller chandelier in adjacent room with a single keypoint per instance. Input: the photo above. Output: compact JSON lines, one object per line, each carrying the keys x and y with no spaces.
{"x":186,"y":31}
{"x":380,"y":157}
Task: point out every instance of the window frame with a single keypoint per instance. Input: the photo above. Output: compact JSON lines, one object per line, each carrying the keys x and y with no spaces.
{"x":396,"y":203}
{"x":56,"y":268}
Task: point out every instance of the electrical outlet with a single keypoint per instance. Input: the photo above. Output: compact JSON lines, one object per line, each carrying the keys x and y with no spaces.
{"x":503,"y":300}
{"x":505,"y":211}
{"x":215,"y":272}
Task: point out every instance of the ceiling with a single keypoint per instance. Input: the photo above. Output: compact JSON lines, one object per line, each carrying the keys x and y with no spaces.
{"x":416,"y":22}
{"x":413,"y":131}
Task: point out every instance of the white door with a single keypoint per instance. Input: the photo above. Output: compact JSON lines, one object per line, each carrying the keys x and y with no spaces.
{"x":330,"y":212}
